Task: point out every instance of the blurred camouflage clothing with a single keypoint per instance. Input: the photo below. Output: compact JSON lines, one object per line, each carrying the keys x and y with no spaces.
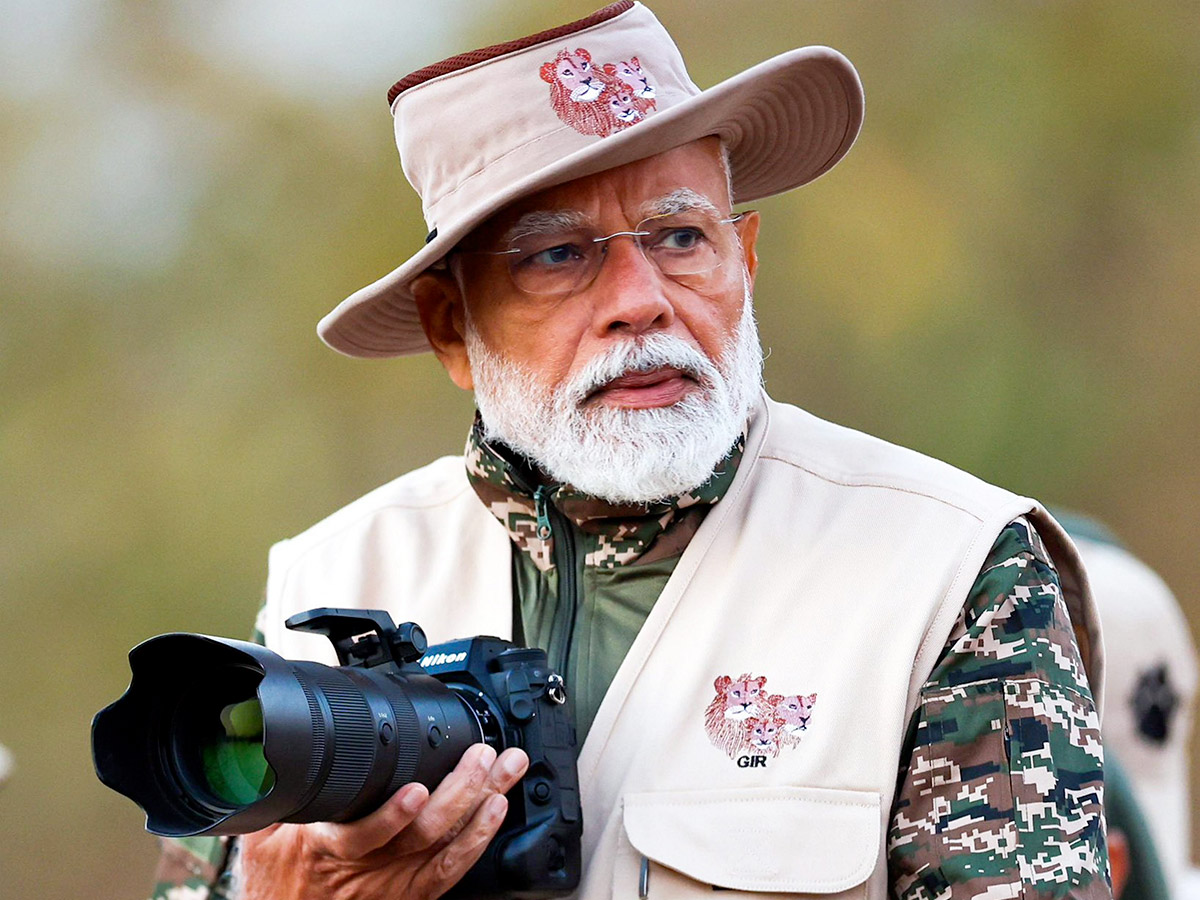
{"x":1001,"y":791}
{"x":199,"y":868}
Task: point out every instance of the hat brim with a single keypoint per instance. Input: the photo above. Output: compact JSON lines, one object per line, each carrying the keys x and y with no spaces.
{"x":785,"y":122}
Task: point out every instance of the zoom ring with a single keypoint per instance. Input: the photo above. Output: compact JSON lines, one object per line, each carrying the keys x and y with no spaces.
{"x":352,"y":741}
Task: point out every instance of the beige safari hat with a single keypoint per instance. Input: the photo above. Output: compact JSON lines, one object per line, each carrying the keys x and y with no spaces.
{"x":480,"y":130}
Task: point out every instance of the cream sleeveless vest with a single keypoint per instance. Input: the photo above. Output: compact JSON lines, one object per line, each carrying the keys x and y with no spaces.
{"x":834,"y":567}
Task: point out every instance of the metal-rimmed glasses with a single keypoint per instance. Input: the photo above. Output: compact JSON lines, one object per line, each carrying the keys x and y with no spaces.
{"x":689,"y":247}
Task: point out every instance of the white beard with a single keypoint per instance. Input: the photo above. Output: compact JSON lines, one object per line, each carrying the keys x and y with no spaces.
{"x":616,"y":454}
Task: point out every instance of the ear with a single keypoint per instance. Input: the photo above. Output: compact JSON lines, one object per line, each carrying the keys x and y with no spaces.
{"x":583,"y":54}
{"x":609,"y":69}
{"x":634,"y":61}
{"x":748,"y":229}
{"x":547,"y":72}
{"x":440,"y":306}
{"x":722,"y":682}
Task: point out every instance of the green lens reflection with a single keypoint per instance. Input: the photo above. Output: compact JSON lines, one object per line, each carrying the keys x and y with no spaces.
{"x":234,"y":765}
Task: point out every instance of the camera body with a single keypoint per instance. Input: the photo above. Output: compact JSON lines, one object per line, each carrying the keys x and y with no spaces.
{"x":518,"y":699}
{"x":218,"y":736}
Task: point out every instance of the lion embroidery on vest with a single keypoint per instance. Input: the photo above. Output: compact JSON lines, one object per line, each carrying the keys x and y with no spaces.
{"x":795,"y":711}
{"x":736,"y":702}
{"x":597,"y":100}
{"x":744,"y":719}
{"x":762,"y":735}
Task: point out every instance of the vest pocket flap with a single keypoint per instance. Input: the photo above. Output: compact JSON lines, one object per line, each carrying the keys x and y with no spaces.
{"x":782,"y":839}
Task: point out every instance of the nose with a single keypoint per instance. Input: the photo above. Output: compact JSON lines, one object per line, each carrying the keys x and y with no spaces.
{"x":628,"y":292}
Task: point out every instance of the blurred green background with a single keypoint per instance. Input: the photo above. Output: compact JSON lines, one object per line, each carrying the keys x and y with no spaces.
{"x":1003,"y":273}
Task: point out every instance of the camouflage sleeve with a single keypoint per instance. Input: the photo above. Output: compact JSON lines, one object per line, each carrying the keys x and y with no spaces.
{"x":1000,"y":790}
{"x":200,"y":868}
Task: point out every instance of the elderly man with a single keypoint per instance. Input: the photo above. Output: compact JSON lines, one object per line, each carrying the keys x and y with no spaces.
{"x":801,"y":660}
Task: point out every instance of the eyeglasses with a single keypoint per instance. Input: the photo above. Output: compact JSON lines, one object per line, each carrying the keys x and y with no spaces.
{"x":689,"y":247}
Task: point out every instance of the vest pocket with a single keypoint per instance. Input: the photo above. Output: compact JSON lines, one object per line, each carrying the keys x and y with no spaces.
{"x":767,"y":840}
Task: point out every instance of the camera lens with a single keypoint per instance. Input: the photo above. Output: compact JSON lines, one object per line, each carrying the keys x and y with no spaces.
{"x":216,"y":738}
{"x":224,"y":737}
{"x":234,"y":765}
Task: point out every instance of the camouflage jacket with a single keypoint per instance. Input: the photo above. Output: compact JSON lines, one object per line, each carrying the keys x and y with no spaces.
{"x":1000,"y":790}
{"x":1000,"y":786}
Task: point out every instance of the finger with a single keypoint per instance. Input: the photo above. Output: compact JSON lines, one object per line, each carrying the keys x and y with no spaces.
{"x":503,"y":774}
{"x":447,"y":867}
{"x":508,"y":769}
{"x":354,"y":840}
{"x":449,"y":805}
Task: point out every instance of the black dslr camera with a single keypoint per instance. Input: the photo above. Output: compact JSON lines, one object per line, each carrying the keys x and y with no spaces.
{"x":220,"y":736}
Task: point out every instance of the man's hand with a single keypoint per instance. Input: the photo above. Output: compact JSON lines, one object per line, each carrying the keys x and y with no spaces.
{"x":414,"y":847}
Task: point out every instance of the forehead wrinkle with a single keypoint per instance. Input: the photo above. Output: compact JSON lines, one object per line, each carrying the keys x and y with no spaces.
{"x":679,"y":200}
{"x":546,"y":221}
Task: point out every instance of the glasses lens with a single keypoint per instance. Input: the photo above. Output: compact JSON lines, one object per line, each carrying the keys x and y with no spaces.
{"x":554,"y":263}
{"x":231,"y":754}
{"x":687,"y":243}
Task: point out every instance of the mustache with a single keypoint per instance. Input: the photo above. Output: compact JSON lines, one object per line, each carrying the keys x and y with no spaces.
{"x":656,"y":351}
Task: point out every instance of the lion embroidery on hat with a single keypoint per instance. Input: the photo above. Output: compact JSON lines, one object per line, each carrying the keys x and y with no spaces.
{"x":744,"y":719}
{"x":597,"y":100}
{"x":631,"y":73}
{"x":624,"y":107}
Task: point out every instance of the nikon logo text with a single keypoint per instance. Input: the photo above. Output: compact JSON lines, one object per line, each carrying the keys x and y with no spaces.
{"x":440,"y":659}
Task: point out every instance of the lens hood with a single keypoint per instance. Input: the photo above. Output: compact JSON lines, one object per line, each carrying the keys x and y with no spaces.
{"x":139,"y":746}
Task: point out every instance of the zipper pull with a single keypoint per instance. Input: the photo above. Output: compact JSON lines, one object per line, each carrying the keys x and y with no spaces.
{"x":541,"y":502}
